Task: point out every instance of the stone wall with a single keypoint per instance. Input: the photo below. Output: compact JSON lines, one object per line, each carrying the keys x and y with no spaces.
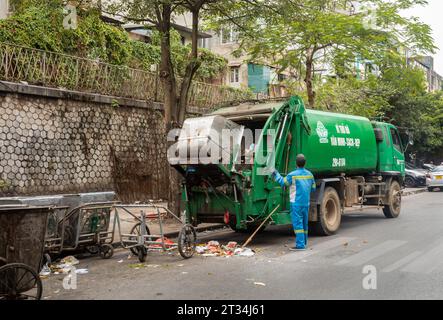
{"x":60,"y":142}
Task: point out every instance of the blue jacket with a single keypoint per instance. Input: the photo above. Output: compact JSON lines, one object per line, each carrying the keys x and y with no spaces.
{"x":301,"y":183}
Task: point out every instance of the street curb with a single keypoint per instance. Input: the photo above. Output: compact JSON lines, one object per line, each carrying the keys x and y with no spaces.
{"x":411,"y":193}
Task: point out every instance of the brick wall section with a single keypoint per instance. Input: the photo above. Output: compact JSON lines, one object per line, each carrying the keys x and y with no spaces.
{"x":58,"y":145}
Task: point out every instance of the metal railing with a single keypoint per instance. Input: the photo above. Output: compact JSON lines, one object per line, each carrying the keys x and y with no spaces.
{"x":57,"y":70}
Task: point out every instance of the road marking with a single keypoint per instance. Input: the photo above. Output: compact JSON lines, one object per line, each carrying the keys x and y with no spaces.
{"x":296,"y":256}
{"x":370,"y":254}
{"x":402,"y":262}
{"x":428,"y":262}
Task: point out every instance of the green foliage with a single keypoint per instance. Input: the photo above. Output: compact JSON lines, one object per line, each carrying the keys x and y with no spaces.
{"x":307,"y":35}
{"x":39,"y":24}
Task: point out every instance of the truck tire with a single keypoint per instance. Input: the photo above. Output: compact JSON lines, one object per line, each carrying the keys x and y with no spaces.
{"x":392,"y":208}
{"x":330,"y":214}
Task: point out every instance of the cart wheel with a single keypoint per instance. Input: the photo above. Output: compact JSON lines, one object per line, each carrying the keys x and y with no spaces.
{"x":19,"y":282}
{"x":106,"y":251}
{"x":187,"y":239}
{"x":136,"y":231}
{"x":142,"y":253}
{"x":93,"y":250}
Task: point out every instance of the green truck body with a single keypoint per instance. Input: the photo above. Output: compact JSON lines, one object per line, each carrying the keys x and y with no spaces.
{"x":356,"y":162}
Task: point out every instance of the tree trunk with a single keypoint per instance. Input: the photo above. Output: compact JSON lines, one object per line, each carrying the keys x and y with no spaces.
{"x":191,"y":68}
{"x":167,"y":76}
{"x":309,"y":78}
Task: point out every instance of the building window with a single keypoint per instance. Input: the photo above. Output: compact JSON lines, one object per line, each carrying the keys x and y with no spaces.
{"x":282,"y":77}
{"x":228,"y":35}
{"x":235,"y":74}
{"x":203,"y":43}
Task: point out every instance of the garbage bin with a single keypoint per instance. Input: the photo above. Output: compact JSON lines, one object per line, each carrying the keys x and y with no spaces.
{"x":22,"y":239}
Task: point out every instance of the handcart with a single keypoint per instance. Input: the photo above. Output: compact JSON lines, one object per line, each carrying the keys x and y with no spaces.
{"x":22,"y":237}
{"x":87,"y":227}
{"x":77,"y":221}
{"x":140,"y":241}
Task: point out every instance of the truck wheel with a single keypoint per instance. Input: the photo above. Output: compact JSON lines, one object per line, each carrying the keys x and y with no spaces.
{"x":393,"y":206}
{"x":330,"y":214}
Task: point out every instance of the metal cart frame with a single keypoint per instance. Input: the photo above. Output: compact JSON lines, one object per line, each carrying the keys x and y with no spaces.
{"x":94,"y":241}
{"x":141,"y":242}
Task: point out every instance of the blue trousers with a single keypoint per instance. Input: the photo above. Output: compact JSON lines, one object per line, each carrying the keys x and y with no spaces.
{"x":300,"y":217}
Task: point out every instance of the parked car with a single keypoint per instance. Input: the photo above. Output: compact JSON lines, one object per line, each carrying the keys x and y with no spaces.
{"x":428,"y":166}
{"x":415,"y":179}
{"x":435,"y":179}
{"x":410,"y":166}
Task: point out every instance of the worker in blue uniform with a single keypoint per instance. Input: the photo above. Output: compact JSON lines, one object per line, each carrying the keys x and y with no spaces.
{"x":301,"y":183}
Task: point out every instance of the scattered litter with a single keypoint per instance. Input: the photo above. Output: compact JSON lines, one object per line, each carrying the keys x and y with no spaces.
{"x":260,"y":284}
{"x":168,"y":243}
{"x":181,"y":265}
{"x":184,"y":272}
{"x":152,"y":265}
{"x":81,"y":271}
{"x":120,"y":261}
{"x":200,"y":249}
{"x":57,"y":291}
{"x":346,"y":244}
{"x":46,"y":271}
{"x":214,"y":249}
{"x":244,"y":252}
{"x":69,"y":261}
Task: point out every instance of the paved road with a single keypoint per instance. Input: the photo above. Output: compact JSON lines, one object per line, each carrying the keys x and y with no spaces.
{"x":407,"y":254}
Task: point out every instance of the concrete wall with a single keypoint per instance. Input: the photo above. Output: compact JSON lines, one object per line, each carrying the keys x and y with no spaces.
{"x":53,"y":141}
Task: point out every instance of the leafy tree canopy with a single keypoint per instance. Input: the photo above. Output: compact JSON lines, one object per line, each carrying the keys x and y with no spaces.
{"x":39,"y":24}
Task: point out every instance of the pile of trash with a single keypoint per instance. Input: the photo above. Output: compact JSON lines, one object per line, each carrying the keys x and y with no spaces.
{"x":214,"y":249}
{"x":65,"y":266}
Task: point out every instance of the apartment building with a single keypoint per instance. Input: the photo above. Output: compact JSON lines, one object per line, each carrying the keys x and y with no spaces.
{"x":434,"y":81}
{"x":262,"y":79}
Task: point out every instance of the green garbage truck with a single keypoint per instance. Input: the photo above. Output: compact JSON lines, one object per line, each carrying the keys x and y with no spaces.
{"x":226,"y":159}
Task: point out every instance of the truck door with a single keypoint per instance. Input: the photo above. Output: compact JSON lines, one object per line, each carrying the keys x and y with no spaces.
{"x":398,"y":163}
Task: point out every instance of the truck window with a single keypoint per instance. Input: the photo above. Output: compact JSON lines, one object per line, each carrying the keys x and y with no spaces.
{"x":396,"y":140}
